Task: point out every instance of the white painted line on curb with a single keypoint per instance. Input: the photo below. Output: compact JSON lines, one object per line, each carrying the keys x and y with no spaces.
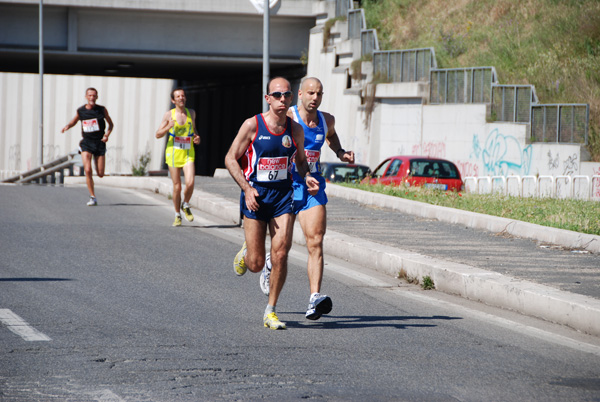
{"x":17,"y":325}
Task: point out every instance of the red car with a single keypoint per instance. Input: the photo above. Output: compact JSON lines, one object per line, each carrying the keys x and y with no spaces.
{"x":423,"y":171}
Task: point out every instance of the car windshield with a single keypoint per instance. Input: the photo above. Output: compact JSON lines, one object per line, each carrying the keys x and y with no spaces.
{"x":381,"y":169}
{"x":433,"y":168}
{"x":349,"y":173}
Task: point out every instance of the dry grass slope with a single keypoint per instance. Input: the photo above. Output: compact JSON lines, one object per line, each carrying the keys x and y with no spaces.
{"x":551,"y":44}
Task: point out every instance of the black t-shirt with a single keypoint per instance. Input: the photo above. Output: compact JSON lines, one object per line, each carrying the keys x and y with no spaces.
{"x":92,"y":122}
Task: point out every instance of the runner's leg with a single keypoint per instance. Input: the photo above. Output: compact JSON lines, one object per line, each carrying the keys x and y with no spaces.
{"x":255,"y":232}
{"x":176,"y":177}
{"x":100,"y":163}
{"x":86,"y":158}
{"x":281,"y":242}
{"x":314,"y":222}
{"x":189,"y":174}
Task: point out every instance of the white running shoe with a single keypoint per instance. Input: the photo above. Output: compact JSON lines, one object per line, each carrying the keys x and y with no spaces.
{"x":265,"y":275}
{"x":92,"y":202}
{"x":318,"y":305}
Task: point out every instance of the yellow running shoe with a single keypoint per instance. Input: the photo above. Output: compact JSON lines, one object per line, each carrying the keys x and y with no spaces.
{"x":187,"y":212}
{"x":239,"y":265}
{"x":177,"y":221}
{"x":272,"y":322}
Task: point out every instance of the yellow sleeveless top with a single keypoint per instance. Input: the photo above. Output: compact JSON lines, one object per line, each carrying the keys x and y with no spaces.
{"x":180,"y":146}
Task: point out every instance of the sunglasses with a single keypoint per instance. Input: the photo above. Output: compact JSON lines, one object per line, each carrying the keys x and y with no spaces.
{"x":278,"y":94}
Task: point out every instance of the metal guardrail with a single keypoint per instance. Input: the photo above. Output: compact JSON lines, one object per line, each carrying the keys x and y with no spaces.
{"x":512,"y":103}
{"x":574,"y":187}
{"x":410,"y":65}
{"x":48,"y":170}
{"x":561,"y":123}
{"x":462,"y":85}
{"x":356,"y":23}
{"x":368,"y":42}
{"x":342,"y":7}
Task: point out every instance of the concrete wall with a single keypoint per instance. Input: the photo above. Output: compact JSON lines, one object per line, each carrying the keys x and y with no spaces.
{"x":135,"y":105}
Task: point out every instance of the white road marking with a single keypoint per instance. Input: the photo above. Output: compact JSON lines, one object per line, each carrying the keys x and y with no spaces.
{"x":512,"y":325}
{"x":20,"y":327}
{"x":105,"y":395}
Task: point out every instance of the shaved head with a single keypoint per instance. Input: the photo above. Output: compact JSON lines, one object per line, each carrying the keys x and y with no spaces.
{"x":310,"y":81}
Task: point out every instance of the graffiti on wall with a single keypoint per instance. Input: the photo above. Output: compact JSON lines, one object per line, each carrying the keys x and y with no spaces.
{"x":571,"y":165}
{"x":114,"y":159}
{"x":432,"y":149}
{"x":468,"y":169}
{"x":502,"y":155}
{"x":14,"y":157}
{"x":596,"y":184}
{"x":552,"y":162}
{"x":51,"y":152}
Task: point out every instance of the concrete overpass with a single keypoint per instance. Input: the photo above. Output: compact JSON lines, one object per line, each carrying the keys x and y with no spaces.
{"x":213,"y":48}
{"x":192,"y":40}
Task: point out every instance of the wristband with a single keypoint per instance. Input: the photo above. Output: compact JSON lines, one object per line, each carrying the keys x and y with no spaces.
{"x":338,"y":152}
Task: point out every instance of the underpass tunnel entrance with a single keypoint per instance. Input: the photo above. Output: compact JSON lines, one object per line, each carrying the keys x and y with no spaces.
{"x":222,"y":106}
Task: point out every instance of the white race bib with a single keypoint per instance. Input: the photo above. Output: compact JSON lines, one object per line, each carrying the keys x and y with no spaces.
{"x":312,"y":157}
{"x":182,"y":142}
{"x":272,"y":169}
{"x":90,"y":126}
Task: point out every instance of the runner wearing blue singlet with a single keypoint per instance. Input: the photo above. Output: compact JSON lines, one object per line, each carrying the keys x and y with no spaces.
{"x":319,"y":127}
{"x":267,"y":145}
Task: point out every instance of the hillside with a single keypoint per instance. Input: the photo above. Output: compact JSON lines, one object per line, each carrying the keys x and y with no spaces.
{"x":551,"y":44}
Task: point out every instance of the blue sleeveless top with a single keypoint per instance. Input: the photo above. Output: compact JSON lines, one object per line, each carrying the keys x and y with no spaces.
{"x":268,"y":159}
{"x":314,"y":138}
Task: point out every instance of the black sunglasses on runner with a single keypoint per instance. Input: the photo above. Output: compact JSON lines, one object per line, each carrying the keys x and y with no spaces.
{"x":278,"y":94}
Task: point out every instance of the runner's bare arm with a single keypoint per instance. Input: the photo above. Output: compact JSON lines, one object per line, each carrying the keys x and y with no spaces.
{"x":240,"y":143}
{"x":70,"y":124}
{"x":301,"y":162}
{"x":165,"y":125}
{"x":196,"y":135}
{"x":334,"y":141}
{"x":110,"y":125}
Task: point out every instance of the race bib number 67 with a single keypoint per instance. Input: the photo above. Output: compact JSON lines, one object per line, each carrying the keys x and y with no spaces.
{"x":272,"y":169}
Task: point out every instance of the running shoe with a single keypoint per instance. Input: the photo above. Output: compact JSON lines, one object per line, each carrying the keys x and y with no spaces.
{"x":177,"y":221}
{"x":265,"y":275}
{"x":318,"y":305}
{"x":272,"y":322}
{"x":187,"y":212}
{"x":92,"y":202}
{"x":239,"y":265}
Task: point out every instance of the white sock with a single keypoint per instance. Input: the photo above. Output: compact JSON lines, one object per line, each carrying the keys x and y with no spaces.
{"x":186,"y":205}
{"x":269,"y":309}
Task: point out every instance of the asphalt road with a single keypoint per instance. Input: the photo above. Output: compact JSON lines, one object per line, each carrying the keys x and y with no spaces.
{"x":126,"y":308}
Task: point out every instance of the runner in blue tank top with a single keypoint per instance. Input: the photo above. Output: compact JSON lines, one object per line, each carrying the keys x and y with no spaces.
{"x":319,"y":127}
{"x":267,"y":145}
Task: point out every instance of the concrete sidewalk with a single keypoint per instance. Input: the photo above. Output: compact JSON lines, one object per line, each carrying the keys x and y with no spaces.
{"x":548,"y":273}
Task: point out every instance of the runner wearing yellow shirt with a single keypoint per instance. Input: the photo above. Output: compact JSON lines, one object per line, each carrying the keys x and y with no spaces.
{"x":180,"y":124}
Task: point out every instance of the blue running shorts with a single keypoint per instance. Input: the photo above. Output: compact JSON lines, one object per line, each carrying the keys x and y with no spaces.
{"x":302,"y":199}
{"x":273,"y":202}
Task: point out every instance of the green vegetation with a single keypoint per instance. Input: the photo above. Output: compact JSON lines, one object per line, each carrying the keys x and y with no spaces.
{"x":140,"y":167}
{"x":576,"y":215}
{"x":427,"y":283}
{"x":551,"y":44}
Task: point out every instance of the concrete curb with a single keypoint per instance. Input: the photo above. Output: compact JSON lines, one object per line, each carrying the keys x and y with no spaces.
{"x":576,"y":311}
